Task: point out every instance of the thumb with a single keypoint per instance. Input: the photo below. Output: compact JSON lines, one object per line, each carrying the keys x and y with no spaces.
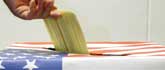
{"x":54,"y":13}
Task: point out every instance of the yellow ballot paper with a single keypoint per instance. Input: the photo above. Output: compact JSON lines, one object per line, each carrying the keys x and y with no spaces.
{"x":66,"y":33}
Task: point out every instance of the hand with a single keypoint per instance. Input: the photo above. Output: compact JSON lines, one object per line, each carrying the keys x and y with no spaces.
{"x":32,"y":9}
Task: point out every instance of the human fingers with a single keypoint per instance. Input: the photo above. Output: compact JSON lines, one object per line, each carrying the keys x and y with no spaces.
{"x":23,"y":12}
{"x":33,"y":9}
{"x":40,"y":8}
{"x":54,"y":13}
{"x":48,"y":7}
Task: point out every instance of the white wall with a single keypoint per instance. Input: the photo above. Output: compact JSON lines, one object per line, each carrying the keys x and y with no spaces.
{"x":157,"y":21}
{"x":101,"y":20}
{"x":107,"y":20}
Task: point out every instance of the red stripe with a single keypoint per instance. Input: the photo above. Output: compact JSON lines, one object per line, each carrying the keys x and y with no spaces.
{"x":112,"y":51}
{"x":137,"y":45}
{"x":145,"y":52}
{"x":131,"y":45}
{"x":97,"y":47}
{"x":133,"y":53}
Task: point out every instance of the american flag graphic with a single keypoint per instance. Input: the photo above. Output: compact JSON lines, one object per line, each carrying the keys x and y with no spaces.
{"x":104,"y":55}
{"x":19,"y":59}
{"x":106,"y":48}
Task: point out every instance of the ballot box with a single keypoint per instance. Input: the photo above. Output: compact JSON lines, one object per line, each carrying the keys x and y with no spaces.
{"x":103,"y":56}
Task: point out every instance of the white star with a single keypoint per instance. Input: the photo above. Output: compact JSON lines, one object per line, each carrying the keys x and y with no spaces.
{"x":3,"y":57}
{"x":48,"y":57}
{"x":39,"y":56}
{"x":1,"y":66}
{"x":30,"y":51}
{"x":19,"y":57}
{"x":42,"y":53}
{"x":14,"y":51}
{"x":30,"y":65}
{"x":54,"y":55}
{"x":26,"y":54}
{"x":9,"y":54}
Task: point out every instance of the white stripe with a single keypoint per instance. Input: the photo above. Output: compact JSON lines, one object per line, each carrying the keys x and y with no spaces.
{"x":125,"y":47}
{"x":135,"y":51}
{"x":26,"y":48}
{"x":30,"y":45}
{"x":105,"y":45}
{"x":114,"y":45}
{"x":148,"y":54}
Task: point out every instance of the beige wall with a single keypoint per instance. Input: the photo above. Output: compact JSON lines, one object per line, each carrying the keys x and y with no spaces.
{"x":101,"y":20}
